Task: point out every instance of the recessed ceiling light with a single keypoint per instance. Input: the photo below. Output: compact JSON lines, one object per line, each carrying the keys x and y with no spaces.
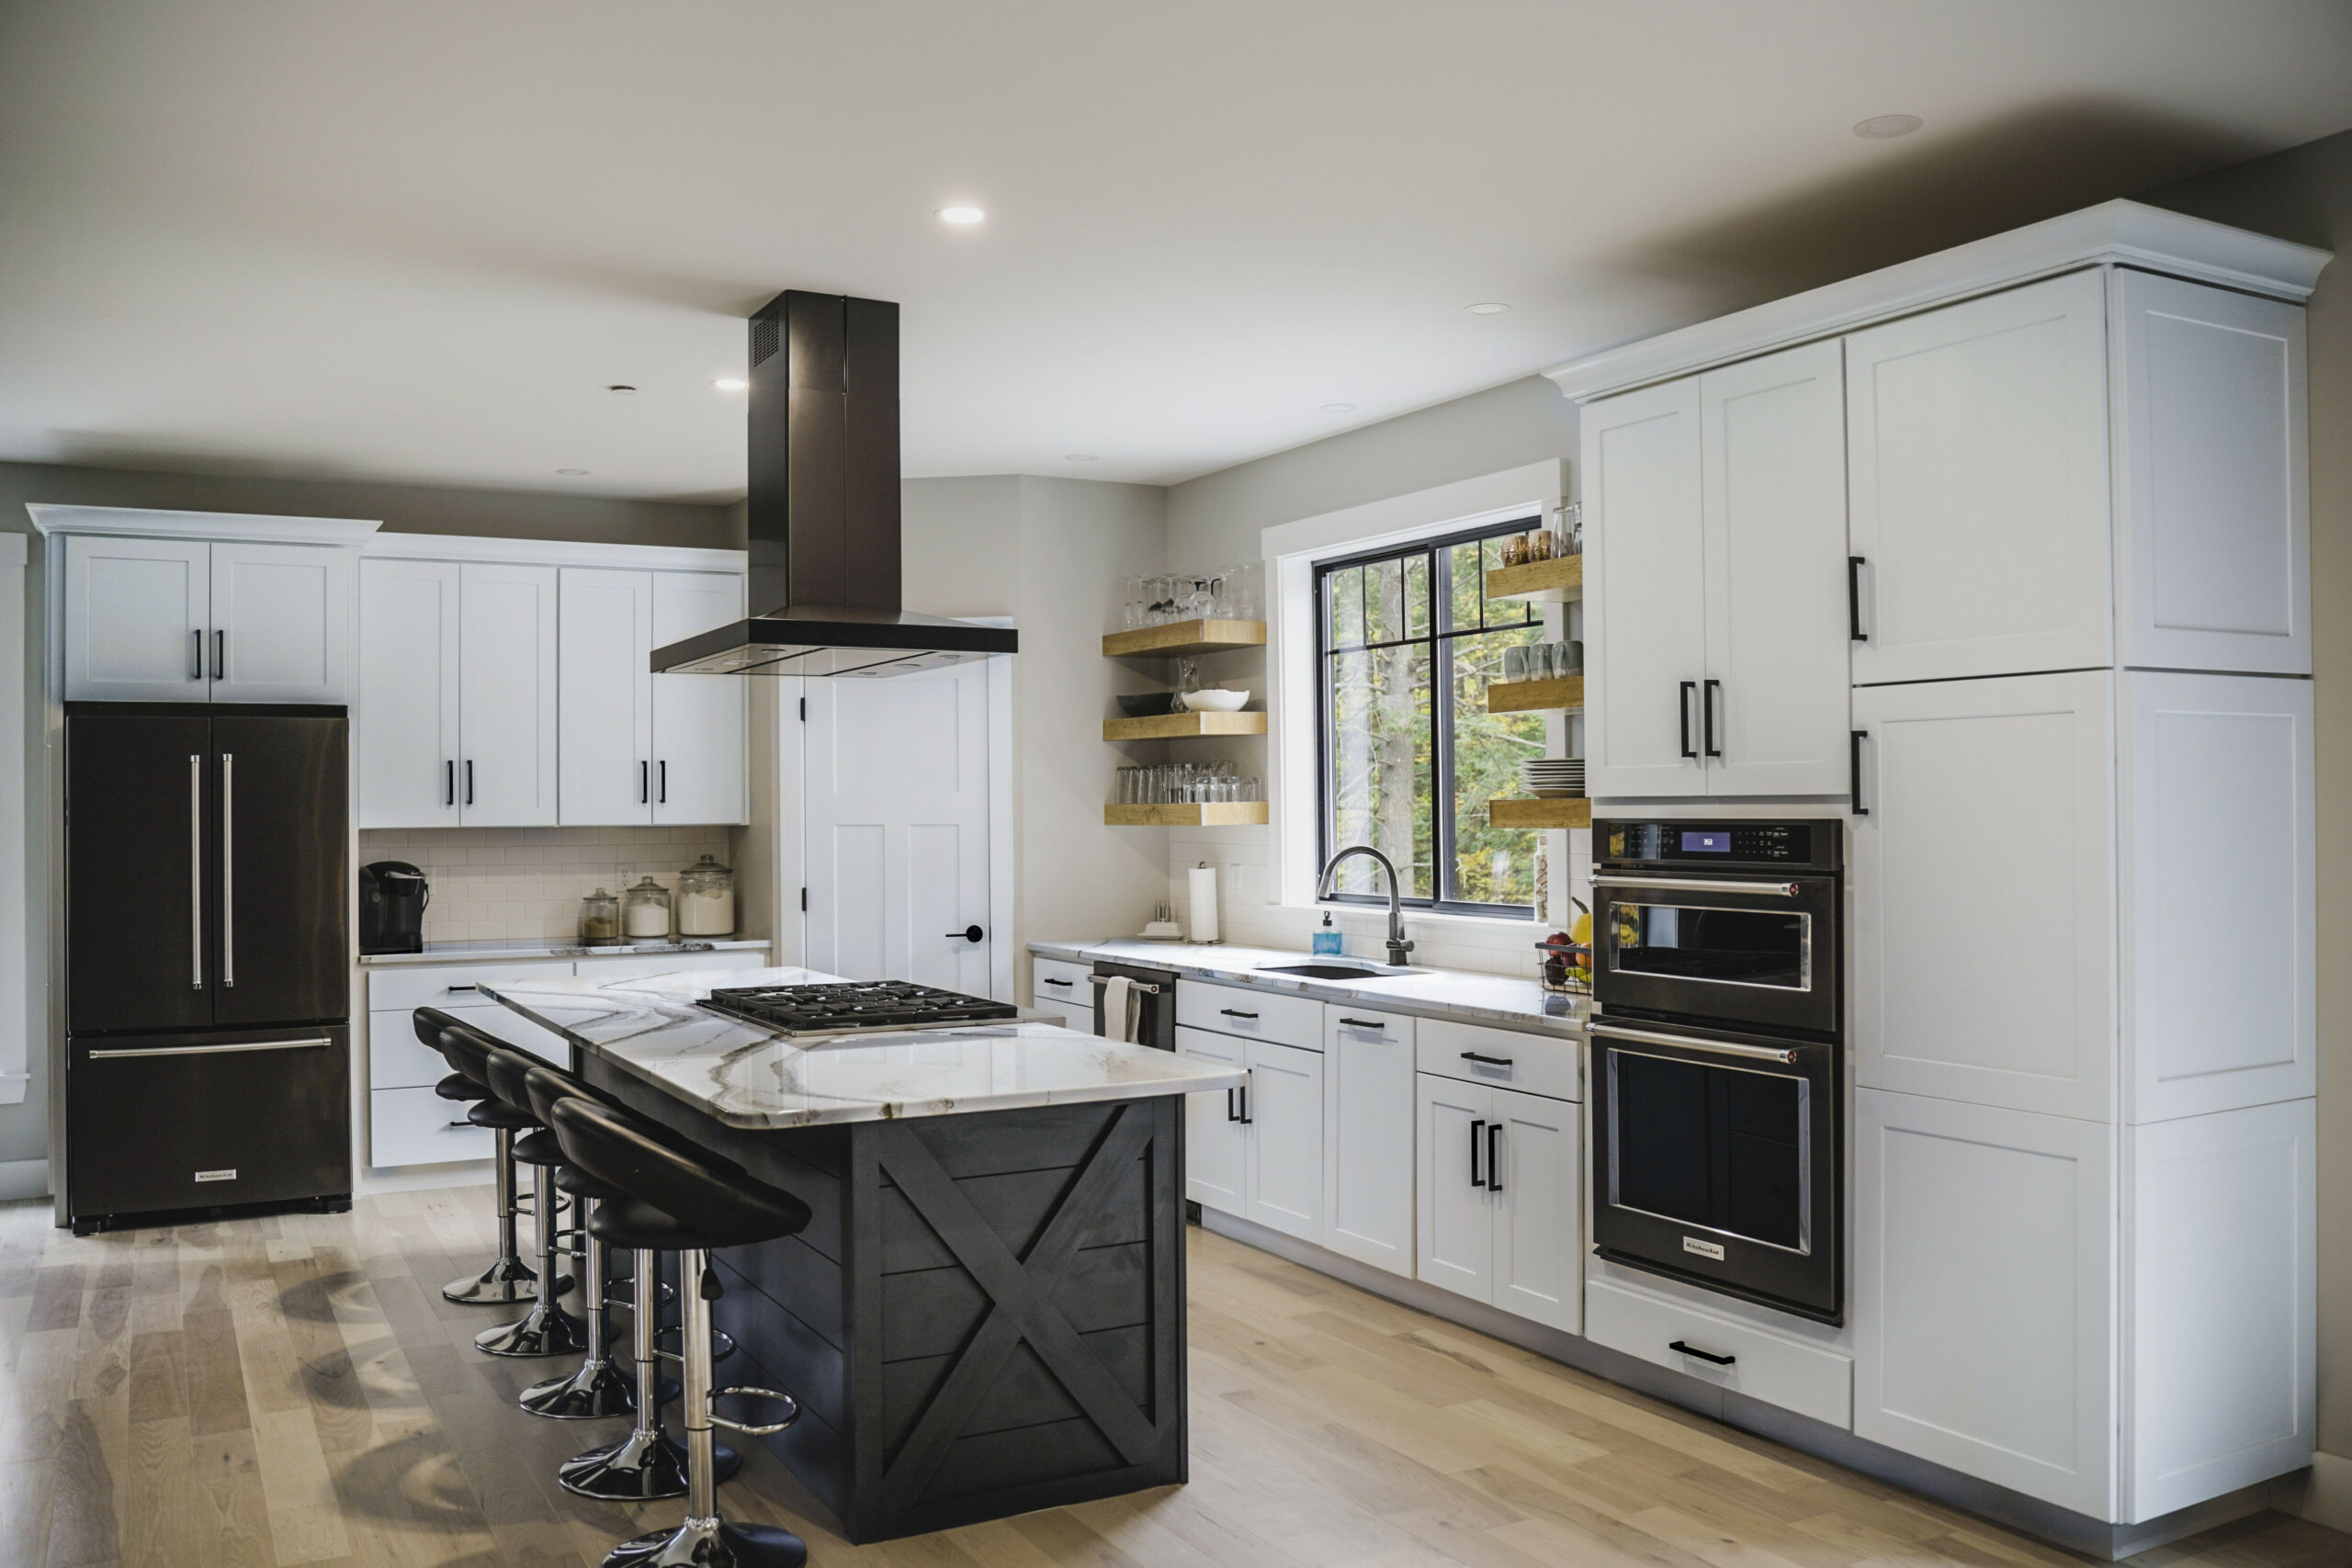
{"x":1338,"y":408}
{"x":573,"y":473}
{"x":1881,"y":127}
{"x":1079,"y":457}
{"x":730,"y":384}
{"x":620,"y":387}
{"x":1486,"y":308}
{"x":962,"y":215}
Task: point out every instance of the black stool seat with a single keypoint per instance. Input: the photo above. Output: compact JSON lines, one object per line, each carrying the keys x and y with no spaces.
{"x":721,"y":1205}
{"x":580,"y":1184}
{"x":633,"y":1222}
{"x":492,"y":1115}
{"x":540,"y":1147}
{"x":457,"y":1086}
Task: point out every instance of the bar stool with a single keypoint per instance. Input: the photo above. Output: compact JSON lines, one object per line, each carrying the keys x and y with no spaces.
{"x":688,"y":1205}
{"x":546,"y":1329}
{"x":598,"y":1389}
{"x":508,"y":1279}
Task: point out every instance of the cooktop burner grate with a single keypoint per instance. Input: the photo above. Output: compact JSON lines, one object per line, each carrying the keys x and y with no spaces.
{"x":854,"y":1005}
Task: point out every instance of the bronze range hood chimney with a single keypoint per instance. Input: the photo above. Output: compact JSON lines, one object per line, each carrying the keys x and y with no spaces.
{"x":824,"y":508}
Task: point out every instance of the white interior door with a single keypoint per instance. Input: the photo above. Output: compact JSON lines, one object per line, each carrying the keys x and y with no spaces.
{"x":506,"y":702}
{"x":699,"y":772}
{"x":606,"y":730}
{"x":280,"y":622}
{"x":137,"y":619}
{"x":896,"y":826}
{"x":407,"y":717}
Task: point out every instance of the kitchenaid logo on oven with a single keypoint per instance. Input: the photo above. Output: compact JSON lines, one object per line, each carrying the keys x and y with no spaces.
{"x":1703,"y":1248}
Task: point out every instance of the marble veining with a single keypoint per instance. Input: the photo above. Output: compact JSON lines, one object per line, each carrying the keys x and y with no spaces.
{"x":747,"y":1076}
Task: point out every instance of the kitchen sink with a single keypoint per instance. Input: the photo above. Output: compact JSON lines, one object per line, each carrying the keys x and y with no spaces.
{"x":1337,"y":971}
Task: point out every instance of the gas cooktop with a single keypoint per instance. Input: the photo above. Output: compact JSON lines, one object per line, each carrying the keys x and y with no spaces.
{"x":855,"y":1005}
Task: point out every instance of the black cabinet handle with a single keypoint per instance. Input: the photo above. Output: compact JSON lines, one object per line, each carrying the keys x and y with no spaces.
{"x":1697,"y":1354}
{"x":644,"y":783}
{"x":1228,"y":1012}
{"x":1682,"y":713}
{"x":662,"y":797}
{"x":1246,"y":1118}
{"x":219,"y":654}
{"x":1489,"y":1061}
{"x":458,"y":1124}
{"x":470,"y":780}
{"x":1854,"y":769}
{"x":465,"y":987}
{"x":974,"y":933}
{"x":1232,"y":1111}
{"x":1065,"y":985}
{"x":196,"y":654}
{"x":1476,"y":1127}
{"x":1494,"y":1157}
{"x":1363,"y":1023}
{"x":1707,"y":715}
{"x":450,"y":782}
{"x":1854,"y":632}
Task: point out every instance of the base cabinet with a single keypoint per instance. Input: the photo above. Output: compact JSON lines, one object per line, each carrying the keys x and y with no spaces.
{"x":1217,"y":1151}
{"x":1496,"y":1183}
{"x":1367,"y":1120}
{"x":1283,"y":1116}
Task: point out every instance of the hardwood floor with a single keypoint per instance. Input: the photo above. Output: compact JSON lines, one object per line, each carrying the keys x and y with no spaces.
{"x":294,"y":1390}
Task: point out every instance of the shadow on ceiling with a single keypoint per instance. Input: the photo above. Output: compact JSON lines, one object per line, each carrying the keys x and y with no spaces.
{"x":1928,"y":193}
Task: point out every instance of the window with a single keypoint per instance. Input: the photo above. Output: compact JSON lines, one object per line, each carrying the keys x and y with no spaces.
{"x":1407,"y":641}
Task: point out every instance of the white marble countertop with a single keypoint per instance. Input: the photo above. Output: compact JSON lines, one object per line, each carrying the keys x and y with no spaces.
{"x":468,"y":952}
{"x":745,"y":1075}
{"x":1503,"y":1001}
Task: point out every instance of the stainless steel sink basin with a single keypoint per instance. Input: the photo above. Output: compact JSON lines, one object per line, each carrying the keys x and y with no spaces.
{"x":1337,"y":971}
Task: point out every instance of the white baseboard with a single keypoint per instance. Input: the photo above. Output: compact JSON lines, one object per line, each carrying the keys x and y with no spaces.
{"x":23,"y":1178}
{"x":2321,"y":1493}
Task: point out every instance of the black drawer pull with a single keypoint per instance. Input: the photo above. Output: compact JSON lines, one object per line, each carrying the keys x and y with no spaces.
{"x":1228,"y":1012}
{"x":1489,"y":1061}
{"x":460,"y":1123}
{"x":1065,"y":985}
{"x":465,"y":987}
{"x":1363,"y":1023}
{"x":1697,"y":1354}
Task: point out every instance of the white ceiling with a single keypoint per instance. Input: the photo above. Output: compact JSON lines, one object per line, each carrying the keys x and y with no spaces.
{"x":414,"y":241}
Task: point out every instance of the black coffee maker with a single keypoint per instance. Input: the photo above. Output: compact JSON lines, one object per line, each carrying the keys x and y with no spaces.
{"x":392,"y":897}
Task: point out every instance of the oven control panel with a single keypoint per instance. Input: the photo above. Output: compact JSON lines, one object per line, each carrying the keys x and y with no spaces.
{"x":1813,"y":845}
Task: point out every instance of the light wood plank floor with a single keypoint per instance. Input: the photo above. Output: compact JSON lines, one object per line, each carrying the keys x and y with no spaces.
{"x":295,"y":1391}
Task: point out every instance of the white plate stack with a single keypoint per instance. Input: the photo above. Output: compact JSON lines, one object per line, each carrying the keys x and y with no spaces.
{"x":1553,"y":778}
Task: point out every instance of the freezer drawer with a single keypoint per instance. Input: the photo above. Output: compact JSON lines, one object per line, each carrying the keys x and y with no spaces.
{"x":161,"y":1123}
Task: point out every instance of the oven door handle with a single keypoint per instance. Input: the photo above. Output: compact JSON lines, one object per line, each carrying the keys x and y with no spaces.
{"x":1700,"y":884}
{"x":1691,"y":1042}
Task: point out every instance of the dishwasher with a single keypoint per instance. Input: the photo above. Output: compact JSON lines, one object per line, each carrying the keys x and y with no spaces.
{"x":1155,"y":1004}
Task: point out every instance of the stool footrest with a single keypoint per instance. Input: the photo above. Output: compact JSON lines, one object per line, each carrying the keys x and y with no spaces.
{"x":745,"y":1428}
{"x":722,"y":1347}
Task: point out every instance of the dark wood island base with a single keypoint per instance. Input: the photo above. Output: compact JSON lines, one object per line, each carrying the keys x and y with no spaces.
{"x":986,"y":1315}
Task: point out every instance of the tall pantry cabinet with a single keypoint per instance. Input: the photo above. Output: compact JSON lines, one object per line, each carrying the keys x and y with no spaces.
{"x":2071,"y":582}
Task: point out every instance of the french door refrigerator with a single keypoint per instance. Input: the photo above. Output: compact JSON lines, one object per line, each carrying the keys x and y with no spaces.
{"x":207,"y":958}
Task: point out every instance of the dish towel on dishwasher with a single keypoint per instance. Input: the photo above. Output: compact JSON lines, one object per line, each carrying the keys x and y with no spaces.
{"x":1119,"y":1009}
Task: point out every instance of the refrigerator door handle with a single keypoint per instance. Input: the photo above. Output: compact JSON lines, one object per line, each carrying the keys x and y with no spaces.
{"x":212,"y":1050}
{"x":196,"y":872}
{"x":228,"y":869}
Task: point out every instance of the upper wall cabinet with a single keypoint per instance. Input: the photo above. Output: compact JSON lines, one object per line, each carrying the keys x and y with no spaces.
{"x":640,"y":748}
{"x":183,"y":620}
{"x":1717,"y":625}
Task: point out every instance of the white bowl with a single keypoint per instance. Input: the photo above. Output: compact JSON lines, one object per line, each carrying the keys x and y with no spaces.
{"x":1214,"y":701}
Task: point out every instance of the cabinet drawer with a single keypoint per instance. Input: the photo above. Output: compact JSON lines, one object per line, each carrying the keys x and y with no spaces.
{"x":1253,"y":1015}
{"x":1059,"y":980}
{"x":1532,"y":1064}
{"x":1073,"y":1015}
{"x":398,"y":1059}
{"x":1346,"y":1023}
{"x":449,"y":985}
{"x":1803,"y":1378}
{"x":413,"y":1126}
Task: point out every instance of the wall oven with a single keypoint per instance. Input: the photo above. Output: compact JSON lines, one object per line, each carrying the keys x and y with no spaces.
{"x":1717,"y":1051}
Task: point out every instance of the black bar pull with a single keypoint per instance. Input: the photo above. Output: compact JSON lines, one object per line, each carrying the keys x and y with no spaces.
{"x":1228,"y":1012}
{"x":1682,"y":712}
{"x":1065,"y":985}
{"x":1232,"y":1111}
{"x":1854,"y":632}
{"x":644,"y":783}
{"x":1697,"y":1354}
{"x":195,"y":653}
{"x":663,"y":798}
{"x":1476,"y":1127}
{"x":1854,"y":769}
{"x":1363,"y":1024}
{"x":449,"y":781}
{"x":1707,"y":703}
{"x":219,"y":654}
{"x":1488,"y":1061}
{"x":1246,"y":1118}
{"x":470,"y":780}
{"x":1494,"y":1157}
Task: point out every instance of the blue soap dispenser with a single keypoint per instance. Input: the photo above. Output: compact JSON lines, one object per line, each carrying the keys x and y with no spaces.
{"x":1327,"y":941}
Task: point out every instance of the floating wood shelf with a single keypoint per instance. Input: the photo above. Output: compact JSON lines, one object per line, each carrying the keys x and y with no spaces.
{"x":1184,"y":636}
{"x":1180,"y":725}
{"x":1574,"y":812}
{"x":1555,"y":581}
{"x":1223,"y":814}
{"x":1527,"y":696}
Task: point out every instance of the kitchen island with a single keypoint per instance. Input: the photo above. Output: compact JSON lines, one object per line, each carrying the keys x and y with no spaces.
{"x":986,"y":1313}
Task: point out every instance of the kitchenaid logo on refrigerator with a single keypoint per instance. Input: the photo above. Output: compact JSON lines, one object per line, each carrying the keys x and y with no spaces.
{"x":1703,"y":1248}
{"x":228,"y":1174}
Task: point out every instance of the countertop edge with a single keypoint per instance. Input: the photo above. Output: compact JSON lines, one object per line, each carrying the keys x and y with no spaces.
{"x":500,"y":953}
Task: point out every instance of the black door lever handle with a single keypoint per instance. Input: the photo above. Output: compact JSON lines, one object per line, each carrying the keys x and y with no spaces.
{"x":969,"y":933}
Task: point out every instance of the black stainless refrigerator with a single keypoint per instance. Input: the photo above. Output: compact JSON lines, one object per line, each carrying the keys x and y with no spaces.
{"x":207,"y":860}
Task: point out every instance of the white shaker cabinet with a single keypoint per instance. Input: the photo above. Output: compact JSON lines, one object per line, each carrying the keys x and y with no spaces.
{"x":506,"y":695}
{"x":637,"y":747}
{"x":1717,"y":626}
{"x":406,"y":728}
{"x":1283,"y":1111}
{"x":1498,"y":1183}
{"x":698,"y":720}
{"x":194,"y":620}
{"x":1216,"y":1140}
{"x":1368,"y":1123}
{"x":281,"y":622}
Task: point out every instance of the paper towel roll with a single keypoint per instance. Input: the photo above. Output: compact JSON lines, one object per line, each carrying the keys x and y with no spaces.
{"x":1204,"y":897}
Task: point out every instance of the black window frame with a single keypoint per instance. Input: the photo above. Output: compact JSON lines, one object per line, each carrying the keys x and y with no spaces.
{"x":1439,"y":548}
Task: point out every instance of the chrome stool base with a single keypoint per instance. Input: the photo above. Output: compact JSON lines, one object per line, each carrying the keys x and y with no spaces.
{"x":504,"y":1283}
{"x":643,"y":1467}
{"x":545,"y":1330}
{"x":711,"y":1543}
{"x":598,"y":1390}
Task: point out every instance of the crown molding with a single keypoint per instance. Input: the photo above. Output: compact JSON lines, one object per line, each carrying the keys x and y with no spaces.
{"x":131,"y":522}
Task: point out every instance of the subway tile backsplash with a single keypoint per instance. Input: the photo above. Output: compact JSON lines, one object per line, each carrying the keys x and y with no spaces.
{"x":526,"y":883}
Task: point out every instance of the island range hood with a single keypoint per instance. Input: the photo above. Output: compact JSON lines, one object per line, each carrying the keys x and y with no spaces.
{"x":824,"y":508}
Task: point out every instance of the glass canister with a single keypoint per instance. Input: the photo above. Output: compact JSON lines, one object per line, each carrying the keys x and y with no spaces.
{"x":645,"y":912}
{"x":600,"y":920}
{"x":707,"y":899}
